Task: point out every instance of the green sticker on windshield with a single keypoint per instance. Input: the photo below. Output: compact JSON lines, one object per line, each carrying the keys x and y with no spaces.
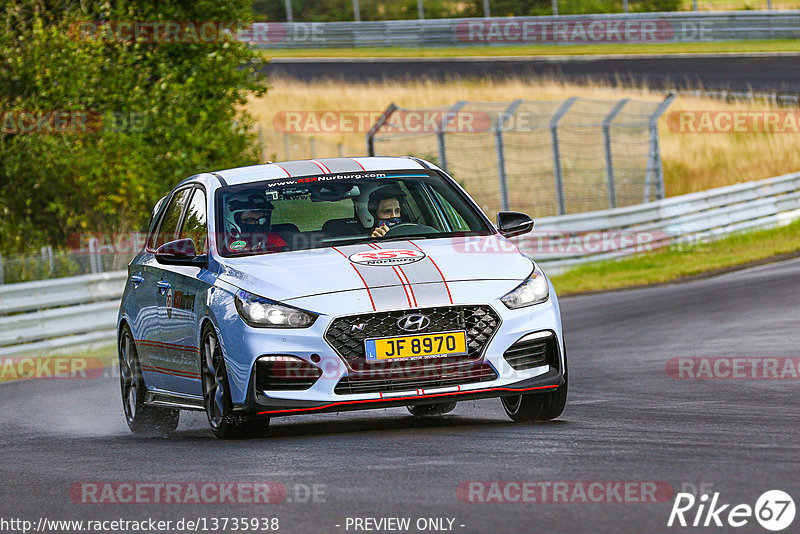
{"x":237,"y":245}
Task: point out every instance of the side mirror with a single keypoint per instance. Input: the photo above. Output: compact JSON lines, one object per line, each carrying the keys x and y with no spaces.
{"x":180,"y":252}
{"x":513,"y":223}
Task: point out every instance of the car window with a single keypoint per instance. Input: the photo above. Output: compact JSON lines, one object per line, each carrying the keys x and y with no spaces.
{"x":296,"y":212}
{"x":452,"y":216}
{"x":330,"y":210}
{"x":194,"y":223}
{"x":172,"y":215}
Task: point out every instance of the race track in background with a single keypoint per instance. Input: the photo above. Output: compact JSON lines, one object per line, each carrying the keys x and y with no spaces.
{"x":760,"y":72}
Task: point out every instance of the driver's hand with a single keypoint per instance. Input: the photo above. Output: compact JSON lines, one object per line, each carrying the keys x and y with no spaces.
{"x":380,"y":231}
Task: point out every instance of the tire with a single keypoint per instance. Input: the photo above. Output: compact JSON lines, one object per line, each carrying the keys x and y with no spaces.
{"x":141,"y":418}
{"x":217,"y":397}
{"x":537,"y":406}
{"x":430,"y":410}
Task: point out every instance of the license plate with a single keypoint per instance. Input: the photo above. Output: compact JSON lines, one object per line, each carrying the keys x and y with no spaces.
{"x":417,"y":346}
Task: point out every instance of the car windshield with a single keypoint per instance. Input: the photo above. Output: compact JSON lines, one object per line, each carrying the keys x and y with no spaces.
{"x":339,"y":209}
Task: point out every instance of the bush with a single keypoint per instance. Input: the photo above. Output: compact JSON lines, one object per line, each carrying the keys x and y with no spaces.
{"x":164,"y":111}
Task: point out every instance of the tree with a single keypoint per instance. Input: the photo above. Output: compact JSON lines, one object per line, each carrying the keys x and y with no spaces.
{"x":140,"y":115}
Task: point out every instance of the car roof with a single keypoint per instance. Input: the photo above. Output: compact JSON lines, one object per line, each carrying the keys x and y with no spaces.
{"x":311,"y":167}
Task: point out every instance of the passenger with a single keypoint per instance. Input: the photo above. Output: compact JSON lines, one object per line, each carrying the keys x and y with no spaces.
{"x":252,"y":215}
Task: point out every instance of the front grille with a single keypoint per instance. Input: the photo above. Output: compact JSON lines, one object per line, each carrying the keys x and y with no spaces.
{"x":285,"y":373}
{"x":416,"y":374}
{"x":347,"y":334}
{"x":527,"y":354}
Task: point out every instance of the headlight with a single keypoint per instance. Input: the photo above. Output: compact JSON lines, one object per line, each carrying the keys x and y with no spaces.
{"x":534,"y":290}
{"x":264,"y":313}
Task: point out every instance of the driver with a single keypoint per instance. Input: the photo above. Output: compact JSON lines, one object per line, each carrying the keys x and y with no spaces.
{"x":384,"y":205}
{"x":252,"y":215}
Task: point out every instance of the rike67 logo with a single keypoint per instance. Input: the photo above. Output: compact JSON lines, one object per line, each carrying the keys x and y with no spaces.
{"x":774,"y":510}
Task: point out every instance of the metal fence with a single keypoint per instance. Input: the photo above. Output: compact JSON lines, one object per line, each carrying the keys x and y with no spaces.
{"x":675,"y":27}
{"x":49,"y":263}
{"x":543,"y":158}
{"x":556,"y":6}
{"x":73,"y":312}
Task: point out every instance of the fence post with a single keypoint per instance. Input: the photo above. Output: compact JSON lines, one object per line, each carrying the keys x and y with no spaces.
{"x":312,"y":147}
{"x":420,"y":10}
{"x":624,"y":6}
{"x":341,"y":150}
{"x":43,"y":252}
{"x":501,"y":157}
{"x":287,"y":147}
{"x":558,"y":172}
{"x":446,"y":118}
{"x":289,"y":16}
{"x":94,"y":245}
{"x":555,"y":7}
{"x":612,"y":187}
{"x":377,"y":126}
{"x":2,"y":272}
{"x":654,"y":165}
{"x":486,"y":11}
{"x":356,"y":11}
{"x":261,"y":144}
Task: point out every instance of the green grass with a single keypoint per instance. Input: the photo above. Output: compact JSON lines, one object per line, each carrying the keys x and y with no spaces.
{"x":678,"y":262}
{"x":787,"y":45}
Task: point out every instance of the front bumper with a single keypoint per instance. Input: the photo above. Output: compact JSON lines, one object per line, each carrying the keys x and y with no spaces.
{"x":310,"y":346}
{"x":546,"y":382}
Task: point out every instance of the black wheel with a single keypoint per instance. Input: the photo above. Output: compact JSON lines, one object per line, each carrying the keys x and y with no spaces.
{"x":217,"y":397}
{"x":141,"y":418}
{"x":429,"y":410}
{"x":536,"y":406}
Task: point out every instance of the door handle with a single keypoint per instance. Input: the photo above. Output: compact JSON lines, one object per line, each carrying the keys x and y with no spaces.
{"x":137,"y":279}
{"x":163,"y":286}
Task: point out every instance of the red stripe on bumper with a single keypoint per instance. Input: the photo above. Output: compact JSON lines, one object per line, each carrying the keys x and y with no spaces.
{"x":392,"y":399}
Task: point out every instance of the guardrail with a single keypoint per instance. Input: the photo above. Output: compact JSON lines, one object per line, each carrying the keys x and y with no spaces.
{"x":671,"y":27}
{"x":64,"y":312}
{"x":70,"y":312}
{"x":564,"y":241}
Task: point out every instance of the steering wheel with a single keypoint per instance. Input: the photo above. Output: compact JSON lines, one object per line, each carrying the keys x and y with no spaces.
{"x":409,"y":229}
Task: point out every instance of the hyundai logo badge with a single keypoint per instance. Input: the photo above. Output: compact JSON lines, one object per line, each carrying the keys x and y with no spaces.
{"x":414,"y":322}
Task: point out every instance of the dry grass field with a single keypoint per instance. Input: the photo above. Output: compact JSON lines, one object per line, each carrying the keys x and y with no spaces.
{"x":692,"y":161}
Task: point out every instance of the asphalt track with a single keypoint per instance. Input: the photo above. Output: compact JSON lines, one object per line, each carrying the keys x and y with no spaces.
{"x":626,"y":420}
{"x":759,"y":72}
